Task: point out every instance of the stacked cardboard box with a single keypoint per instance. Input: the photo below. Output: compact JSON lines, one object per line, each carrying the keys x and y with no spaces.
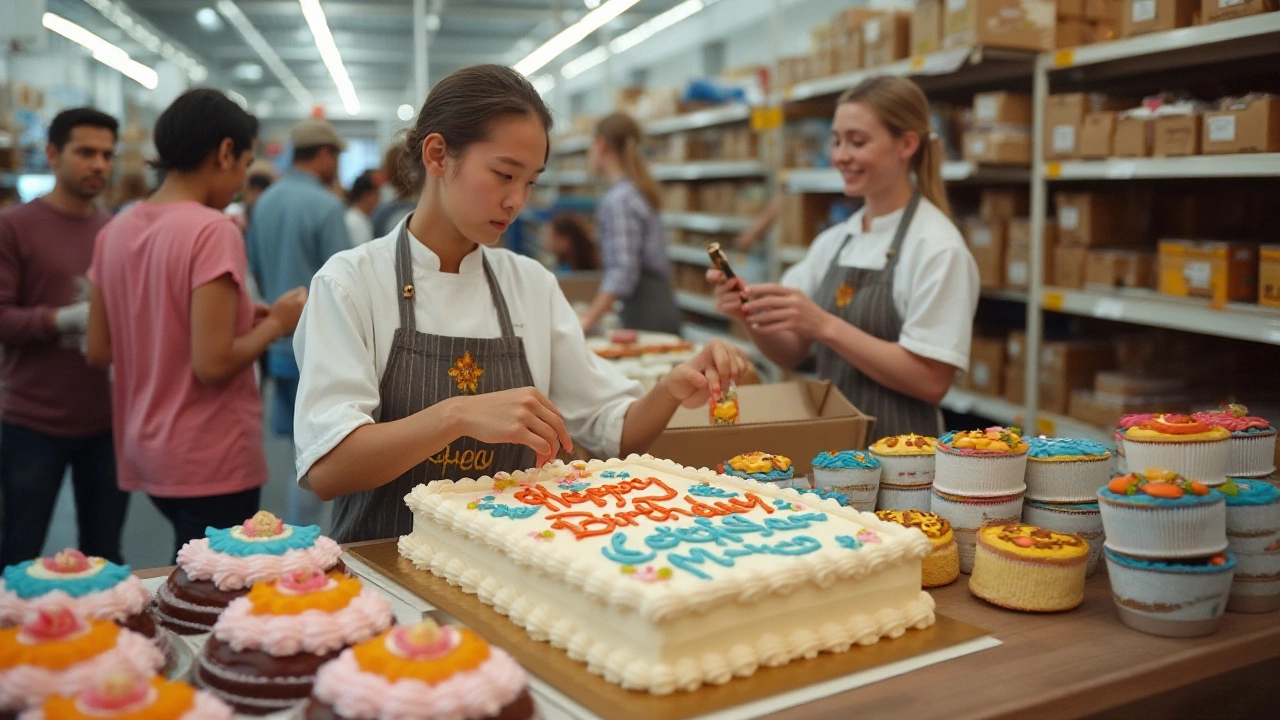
{"x":1109,"y":268}
{"x":1243,"y":125}
{"x":1017,"y":264}
{"x":986,"y":365}
{"x":1063,"y":366}
{"x":1148,"y":16}
{"x":926,"y":27}
{"x":1092,"y":220}
{"x":1222,"y":271}
{"x":1001,"y":131}
{"x":1084,"y":22}
{"x":1212,"y":11}
{"x":988,"y":234}
{"x":1064,"y":117}
{"x":1013,"y":24}
{"x":801,"y":217}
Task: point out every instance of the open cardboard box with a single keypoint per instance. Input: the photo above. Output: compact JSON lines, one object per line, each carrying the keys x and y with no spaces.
{"x":797,"y":419}
{"x":580,"y":287}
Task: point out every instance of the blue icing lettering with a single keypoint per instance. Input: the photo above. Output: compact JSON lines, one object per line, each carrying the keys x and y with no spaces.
{"x":20,"y":582}
{"x":848,"y":541}
{"x":828,"y":494}
{"x":221,"y":540}
{"x":711,"y":491}
{"x":697,"y":556}
{"x":618,"y":552}
{"x":574,"y":486}
{"x":615,"y":475}
{"x":498,"y":511}
{"x":797,"y":545}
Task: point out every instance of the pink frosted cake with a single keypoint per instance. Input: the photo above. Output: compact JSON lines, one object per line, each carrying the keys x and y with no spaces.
{"x":122,"y":695}
{"x":55,"y":652}
{"x":220,"y":567}
{"x":89,"y":587}
{"x":267,"y":646}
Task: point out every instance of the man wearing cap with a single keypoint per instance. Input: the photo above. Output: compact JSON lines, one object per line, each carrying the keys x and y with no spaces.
{"x":297,"y":225}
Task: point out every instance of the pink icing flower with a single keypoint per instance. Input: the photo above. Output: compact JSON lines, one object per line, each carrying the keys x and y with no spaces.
{"x":544,"y":536}
{"x":53,"y":622}
{"x":304,"y":581}
{"x":868,"y":536}
{"x":68,"y":562}
{"x":262,"y":524}
{"x":115,"y":692}
{"x":647,"y":574}
{"x":423,"y":641}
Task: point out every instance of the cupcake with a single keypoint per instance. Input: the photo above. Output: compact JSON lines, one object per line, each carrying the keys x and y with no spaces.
{"x":267,"y":646}
{"x":1173,"y":598}
{"x":906,"y":460}
{"x":1066,"y":470}
{"x":904,"y":497}
{"x":1255,"y":587}
{"x":1253,"y":515}
{"x":56,"y":652}
{"x":968,"y":514}
{"x":1189,"y":447}
{"x":1252,"y":448}
{"x":220,"y":567}
{"x":854,"y":474}
{"x":1125,"y":423}
{"x":942,"y":565}
{"x":981,"y":463}
{"x":421,"y":672}
{"x":88,"y":586}
{"x":1083,"y":519}
{"x":128,"y":696}
{"x":1023,"y":567}
{"x":760,"y":466}
{"x":1160,"y":514}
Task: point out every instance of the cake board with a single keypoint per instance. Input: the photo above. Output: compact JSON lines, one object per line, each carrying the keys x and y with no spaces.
{"x":768,"y":690}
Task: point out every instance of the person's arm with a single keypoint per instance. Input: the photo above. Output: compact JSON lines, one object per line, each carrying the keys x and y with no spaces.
{"x":620,"y":247}
{"x":98,"y":335}
{"x":20,"y":324}
{"x":217,"y":353}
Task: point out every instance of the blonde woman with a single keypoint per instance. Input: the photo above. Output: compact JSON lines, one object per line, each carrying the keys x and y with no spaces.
{"x":633,"y":242}
{"x":884,"y":301}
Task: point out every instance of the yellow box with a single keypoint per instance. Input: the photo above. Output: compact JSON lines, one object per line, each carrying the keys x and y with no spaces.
{"x":1221,"y":271}
{"x":1269,"y":276}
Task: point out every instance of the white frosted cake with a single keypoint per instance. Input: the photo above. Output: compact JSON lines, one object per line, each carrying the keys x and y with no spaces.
{"x":661,"y":577}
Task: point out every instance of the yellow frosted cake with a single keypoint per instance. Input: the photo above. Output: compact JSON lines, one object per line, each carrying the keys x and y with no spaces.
{"x":942,"y":565}
{"x":1023,"y":567}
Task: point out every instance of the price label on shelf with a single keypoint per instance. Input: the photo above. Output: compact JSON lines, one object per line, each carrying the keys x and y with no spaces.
{"x":1045,"y":426}
{"x":1053,"y":301}
{"x":1120,"y":169}
{"x":766,"y":118}
{"x":1064,"y":58}
{"x":1109,"y":309}
{"x":1053,"y":170}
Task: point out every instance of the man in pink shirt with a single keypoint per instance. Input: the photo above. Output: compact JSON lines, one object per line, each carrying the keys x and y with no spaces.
{"x":56,"y":410}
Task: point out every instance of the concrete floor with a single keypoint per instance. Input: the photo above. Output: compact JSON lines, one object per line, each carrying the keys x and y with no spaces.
{"x":148,"y":538}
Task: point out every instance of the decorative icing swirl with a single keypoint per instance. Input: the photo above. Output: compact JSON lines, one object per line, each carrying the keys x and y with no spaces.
{"x":905,"y":445}
{"x":1175,"y":428}
{"x":1230,"y":420}
{"x":234,"y":572}
{"x":64,"y":572}
{"x":1060,"y":448}
{"x":235,"y":541}
{"x":1031,"y":541}
{"x":845,"y":460}
{"x":32,"y":672}
{"x":312,"y":630}
{"x":934,"y":526}
{"x":992,"y":441}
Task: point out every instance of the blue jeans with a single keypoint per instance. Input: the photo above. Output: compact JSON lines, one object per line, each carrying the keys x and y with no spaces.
{"x":32,"y":465}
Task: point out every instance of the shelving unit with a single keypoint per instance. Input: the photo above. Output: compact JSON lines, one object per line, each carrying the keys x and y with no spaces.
{"x":827,"y":180}
{"x":704,"y":305}
{"x":1195,"y":166}
{"x":956,"y":67}
{"x":1241,"y":321}
{"x":706,"y":222}
{"x":711,"y":170}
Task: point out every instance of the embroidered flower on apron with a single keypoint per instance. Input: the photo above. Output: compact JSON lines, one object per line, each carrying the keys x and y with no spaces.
{"x":844,"y":295}
{"x":466,"y":372}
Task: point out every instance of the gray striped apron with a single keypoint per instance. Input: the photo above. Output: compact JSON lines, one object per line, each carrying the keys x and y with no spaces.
{"x":864,"y":298}
{"x":422,"y":370}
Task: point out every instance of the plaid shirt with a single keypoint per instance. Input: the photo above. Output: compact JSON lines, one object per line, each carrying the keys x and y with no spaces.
{"x":632,"y":239}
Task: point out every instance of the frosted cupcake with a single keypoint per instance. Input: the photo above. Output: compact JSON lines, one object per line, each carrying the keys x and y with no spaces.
{"x":942,"y":565}
{"x":981,"y":463}
{"x":968,"y":514}
{"x":854,"y":474}
{"x":1082,"y":519}
{"x":421,"y":672}
{"x":1023,"y":567}
{"x":1066,"y":470}
{"x":1189,"y":447}
{"x":1160,"y":514}
{"x":1172,"y":598}
{"x":88,"y":586}
{"x":1253,"y":515}
{"x":906,"y":460}
{"x":1125,"y":423}
{"x":1255,"y":587}
{"x":760,"y":466}
{"x":124,"y":695}
{"x":1252,"y":448}
{"x":904,"y":497}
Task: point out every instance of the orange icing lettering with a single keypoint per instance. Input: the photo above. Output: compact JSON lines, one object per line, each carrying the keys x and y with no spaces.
{"x":465,"y":460}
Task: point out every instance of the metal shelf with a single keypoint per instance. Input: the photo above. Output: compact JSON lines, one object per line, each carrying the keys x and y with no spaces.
{"x":1004,"y":294}
{"x":1006,"y":413}
{"x":1242,"y":38}
{"x":700,"y":304}
{"x":689,"y":255}
{"x":1145,"y":307}
{"x":792,"y":254}
{"x":827,"y":180}
{"x":711,"y":117}
{"x":954,"y":68}
{"x":1195,"y":166}
{"x":570,"y":145}
{"x":710,"y":170}
{"x":706,"y":222}
{"x":564,"y":177}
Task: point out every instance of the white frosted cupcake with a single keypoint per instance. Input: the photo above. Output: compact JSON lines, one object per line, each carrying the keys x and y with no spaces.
{"x":1083,"y":519}
{"x":1159,"y":514}
{"x":904,"y":497}
{"x":968,"y":514}
{"x":1174,"y":598}
{"x":981,"y":463}
{"x":1253,"y":515}
{"x":1252,"y":448}
{"x":906,"y":460}
{"x":1066,"y":470}
{"x":1255,"y":588}
{"x":1189,"y":447}
{"x":852,"y":473}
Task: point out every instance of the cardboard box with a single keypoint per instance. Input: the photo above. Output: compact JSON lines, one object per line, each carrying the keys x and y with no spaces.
{"x":1069,"y":266}
{"x":1104,"y":11}
{"x":1212,"y":11}
{"x":1015,"y":383}
{"x":1176,"y":136}
{"x":1269,"y":276}
{"x":1219,"y":270}
{"x":997,"y":148}
{"x":1111,"y":268}
{"x":1105,"y":410}
{"x":1014,"y":348}
{"x":1072,"y":32}
{"x":1064,"y":115}
{"x":822,"y":64}
{"x":797,"y":419}
{"x":849,"y":54}
{"x":987,"y":243}
{"x":926,"y":27}
{"x":1017,"y":254}
{"x":1072,"y":364}
{"x":1148,"y":16}
{"x":1071,"y":9}
{"x":885,"y":39}
{"x":986,"y":365}
{"x":1054,"y":397}
{"x":1001,"y":108}
{"x":849,"y":20}
{"x":1093,"y":219}
{"x":1132,"y":137}
{"x":581,"y":286}
{"x":1013,"y":24}
{"x":1246,"y":127}
{"x":801,"y":216}
{"x":1097,"y":135}
{"x":1003,"y":204}
{"x":1119,"y":382}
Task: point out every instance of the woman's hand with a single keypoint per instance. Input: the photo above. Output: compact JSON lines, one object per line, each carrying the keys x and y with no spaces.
{"x":729,"y":294}
{"x":522,"y":416}
{"x":709,"y":373}
{"x":775,"y":308}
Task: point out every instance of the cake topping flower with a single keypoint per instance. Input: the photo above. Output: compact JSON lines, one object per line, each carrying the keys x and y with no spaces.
{"x":116,"y":692}
{"x":304,"y":581}
{"x":423,"y":641}
{"x":262,"y":525}
{"x":1157,"y":483}
{"x":67,"y":562}
{"x":992,"y":439}
{"x":54,"y":622}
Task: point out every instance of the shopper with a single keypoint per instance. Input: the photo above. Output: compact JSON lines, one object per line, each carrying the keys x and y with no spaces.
{"x":430,"y":354}
{"x":132,"y":187}
{"x":56,"y":410}
{"x":570,"y":243}
{"x":632,"y":239}
{"x":886,"y":300}
{"x":171,"y":314}
{"x":396,"y":172}
{"x":297,"y":225}
{"x":361,"y":202}
{"x":259,"y":177}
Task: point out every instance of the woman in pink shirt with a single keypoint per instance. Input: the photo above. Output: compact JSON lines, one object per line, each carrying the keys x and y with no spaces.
{"x":169,"y":311}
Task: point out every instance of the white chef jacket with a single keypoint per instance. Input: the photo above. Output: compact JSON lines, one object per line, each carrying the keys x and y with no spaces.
{"x":344,"y":339}
{"x":935,"y":285}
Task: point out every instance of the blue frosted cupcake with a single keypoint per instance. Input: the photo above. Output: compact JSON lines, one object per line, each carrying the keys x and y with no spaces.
{"x":1159,"y":514}
{"x":853,"y":473}
{"x":1066,"y":470}
{"x":1174,"y":598}
{"x":761,"y":467}
{"x":1253,"y":515}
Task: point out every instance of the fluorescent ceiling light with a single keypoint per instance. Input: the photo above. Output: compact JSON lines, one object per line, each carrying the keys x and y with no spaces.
{"x":319,"y":25}
{"x":405,"y":112}
{"x":247,"y":71}
{"x":591,"y":4}
{"x":103,"y":51}
{"x":207,"y":18}
{"x":138,"y":30}
{"x":584,"y":62}
{"x":544,"y":84}
{"x":232,"y":13}
{"x":572,"y":35}
{"x":634,"y":37}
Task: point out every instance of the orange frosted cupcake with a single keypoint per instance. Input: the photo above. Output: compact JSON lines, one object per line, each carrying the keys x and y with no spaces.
{"x":1190,"y":447}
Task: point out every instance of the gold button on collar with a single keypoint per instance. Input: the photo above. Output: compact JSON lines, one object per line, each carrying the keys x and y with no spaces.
{"x":408,"y":291}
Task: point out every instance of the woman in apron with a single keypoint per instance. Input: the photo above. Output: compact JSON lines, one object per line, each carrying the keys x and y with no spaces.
{"x":885,"y":301}
{"x":428,"y":354}
{"x":633,"y":242}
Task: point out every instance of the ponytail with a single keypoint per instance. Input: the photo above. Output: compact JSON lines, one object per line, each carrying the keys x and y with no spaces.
{"x":622,"y":134}
{"x":927,"y":163}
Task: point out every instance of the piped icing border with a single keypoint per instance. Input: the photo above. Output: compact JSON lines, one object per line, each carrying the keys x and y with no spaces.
{"x":200,"y":706}
{"x":312,"y":631}
{"x":30,"y":579}
{"x":232,"y":572}
{"x":27,"y":685}
{"x":117,"y":603}
{"x":430,"y":502}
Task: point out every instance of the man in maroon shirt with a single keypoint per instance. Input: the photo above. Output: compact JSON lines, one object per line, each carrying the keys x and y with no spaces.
{"x":55,"y":410}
